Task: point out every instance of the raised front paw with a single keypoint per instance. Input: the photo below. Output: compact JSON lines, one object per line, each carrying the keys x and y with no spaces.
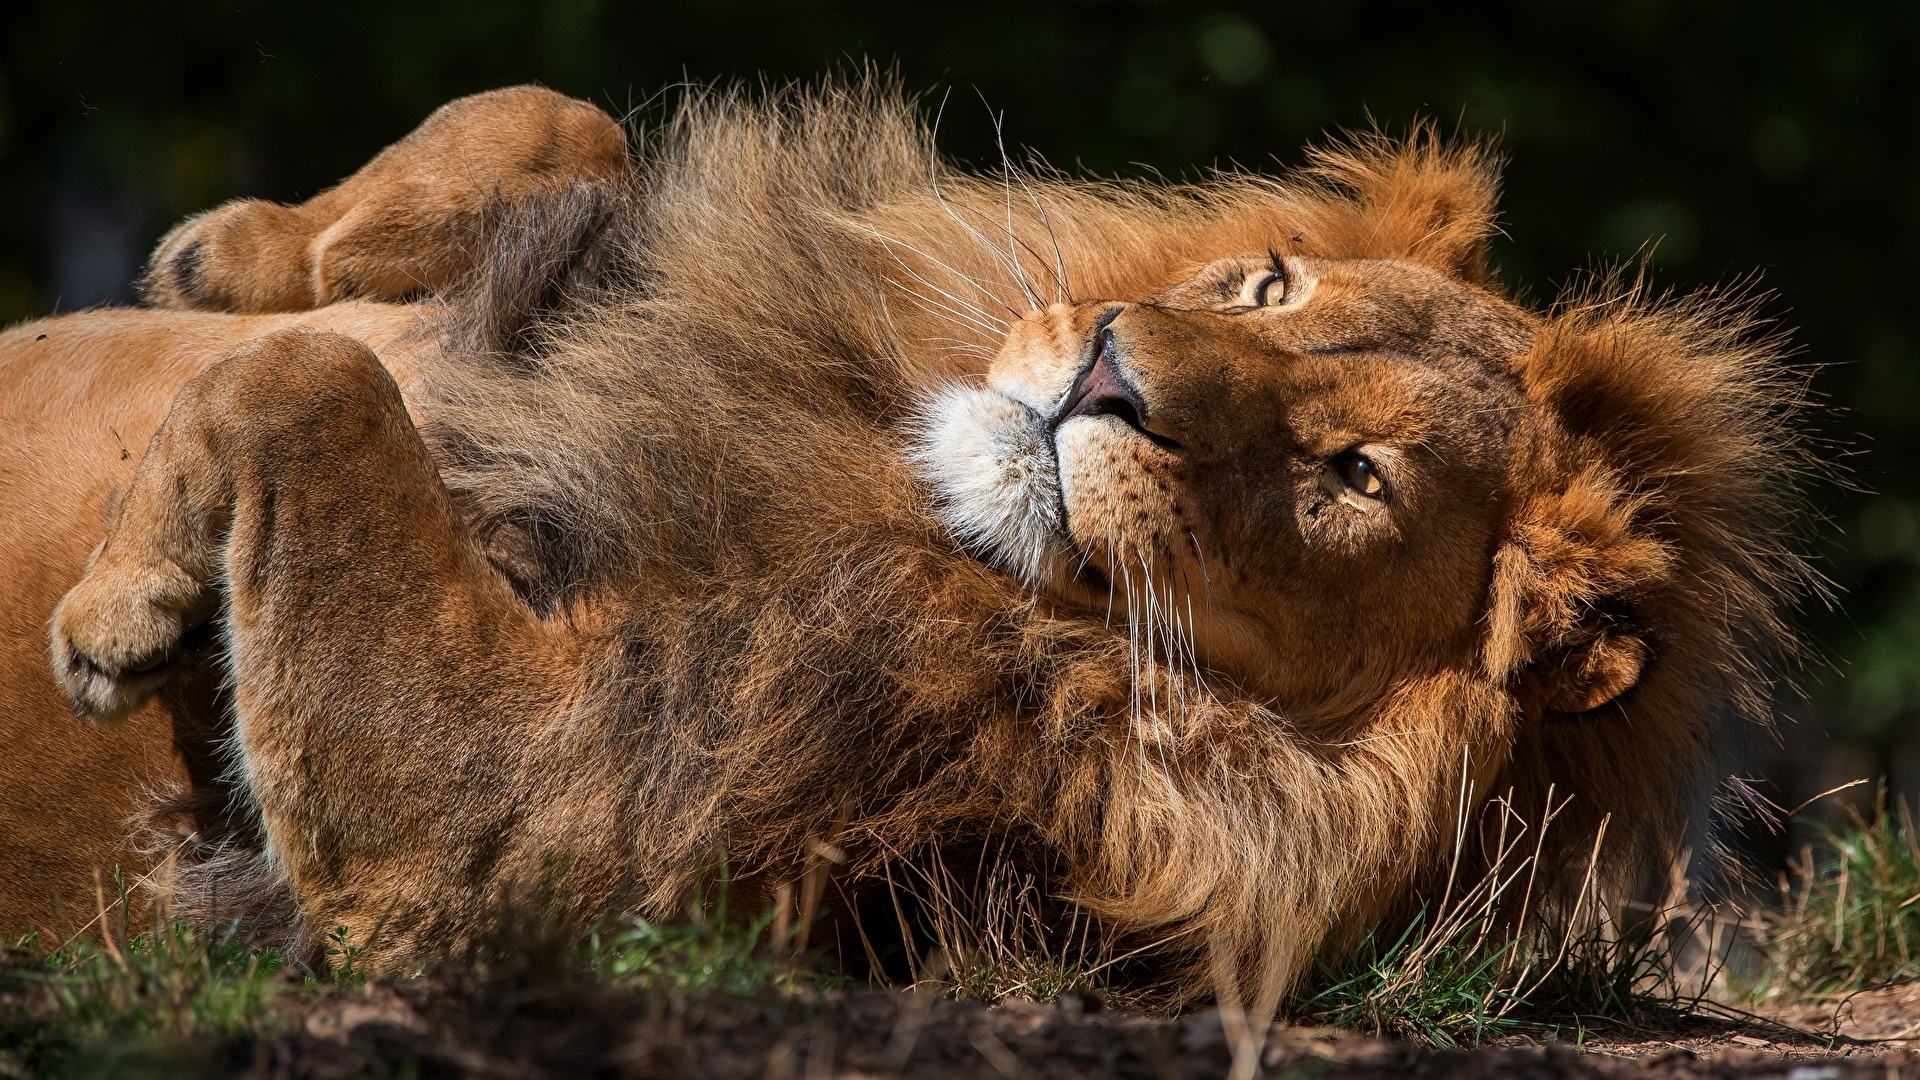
{"x":117,"y":635}
{"x":406,"y":223}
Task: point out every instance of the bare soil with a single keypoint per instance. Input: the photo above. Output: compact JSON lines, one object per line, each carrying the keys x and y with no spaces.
{"x":539,"y":1029}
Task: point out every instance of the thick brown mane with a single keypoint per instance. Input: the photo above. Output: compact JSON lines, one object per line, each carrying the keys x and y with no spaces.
{"x":1679,"y":420}
{"x":701,"y":442}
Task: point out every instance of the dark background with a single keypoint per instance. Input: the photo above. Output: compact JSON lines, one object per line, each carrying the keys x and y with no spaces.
{"x":1724,"y":138}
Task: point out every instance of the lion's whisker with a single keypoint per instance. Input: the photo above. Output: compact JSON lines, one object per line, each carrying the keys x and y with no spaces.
{"x":998,"y":325}
{"x":933,"y":179}
{"x":1148,"y":595}
{"x":934,"y":307}
{"x":1011,"y":172}
{"x":1160,"y":727}
{"x":1006,"y":173}
{"x":992,"y":325}
{"x":891,"y":242}
{"x":1133,"y":735}
{"x":1046,"y":222}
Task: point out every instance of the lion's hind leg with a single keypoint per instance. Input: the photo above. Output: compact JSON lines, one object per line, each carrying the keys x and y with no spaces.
{"x":393,"y":696}
{"x":407,"y":222}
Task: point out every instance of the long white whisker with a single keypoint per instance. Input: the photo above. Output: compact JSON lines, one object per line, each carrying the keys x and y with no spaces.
{"x":956,"y":345}
{"x":933,"y":179}
{"x":1110,"y":562}
{"x":1160,"y":726}
{"x":1193,"y":649}
{"x":1181,"y":655}
{"x":1060,"y":282}
{"x":1013,"y":245}
{"x":1133,"y":663}
{"x":891,"y":242}
{"x":977,"y":315}
{"x":1147,"y":616}
{"x":934,"y":307}
{"x":1200,"y":557}
{"x":968,"y":304}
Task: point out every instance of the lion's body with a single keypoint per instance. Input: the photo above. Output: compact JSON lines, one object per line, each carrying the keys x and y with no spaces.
{"x":680,"y":561}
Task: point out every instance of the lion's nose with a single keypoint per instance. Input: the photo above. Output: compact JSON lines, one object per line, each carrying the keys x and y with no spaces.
{"x":1104,"y":390}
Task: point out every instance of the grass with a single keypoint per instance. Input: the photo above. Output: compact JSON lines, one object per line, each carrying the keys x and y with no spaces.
{"x":1478,"y":963}
{"x":1461,"y":985}
{"x":71,"y":1008}
{"x":170,"y":982}
{"x":709,"y":954}
{"x":1001,"y":936}
{"x":159,"y":998}
{"x":703,"y":957}
{"x":1848,"y":915}
{"x":1482,"y":963}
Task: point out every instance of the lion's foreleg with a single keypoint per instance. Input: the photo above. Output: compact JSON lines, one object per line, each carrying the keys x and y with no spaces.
{"x":389,"y":686}
{"x":407,"y":222}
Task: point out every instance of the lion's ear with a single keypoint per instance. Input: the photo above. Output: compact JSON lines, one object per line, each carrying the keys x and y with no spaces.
{"x":1581,"y":679}
{"x":1567,"y":585}
{"x":1421,"y":198}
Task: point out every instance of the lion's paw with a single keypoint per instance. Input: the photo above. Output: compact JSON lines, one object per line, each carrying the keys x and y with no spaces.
{"x":117,"y":636}
{"x":247,"y":256}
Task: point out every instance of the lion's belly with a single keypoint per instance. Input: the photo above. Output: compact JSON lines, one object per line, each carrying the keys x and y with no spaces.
{"x":80,"y":395}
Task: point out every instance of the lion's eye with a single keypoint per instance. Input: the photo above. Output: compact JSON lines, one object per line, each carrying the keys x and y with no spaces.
{"x":1360,"y":473}
{"x":1271,"y":291}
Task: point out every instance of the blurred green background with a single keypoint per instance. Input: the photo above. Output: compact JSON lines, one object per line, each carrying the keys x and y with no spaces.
{"x":1755,"y":136}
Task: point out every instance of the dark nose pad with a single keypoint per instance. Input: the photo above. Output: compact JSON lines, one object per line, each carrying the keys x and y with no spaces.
{"x":1102,"y":390}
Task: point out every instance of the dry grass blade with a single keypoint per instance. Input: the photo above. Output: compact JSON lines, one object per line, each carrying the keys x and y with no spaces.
{"x":1467,"y":968}
{"x":1848,"y":916}
{"x":993,"y":933}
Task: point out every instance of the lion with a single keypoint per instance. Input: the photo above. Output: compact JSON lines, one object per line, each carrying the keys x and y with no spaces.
{"x":534,"y":519}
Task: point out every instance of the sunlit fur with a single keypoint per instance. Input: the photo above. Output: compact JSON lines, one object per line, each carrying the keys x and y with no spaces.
{"x":747,"y":446}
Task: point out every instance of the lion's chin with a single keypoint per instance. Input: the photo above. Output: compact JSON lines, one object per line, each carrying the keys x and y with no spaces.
{"x":990,"y":462}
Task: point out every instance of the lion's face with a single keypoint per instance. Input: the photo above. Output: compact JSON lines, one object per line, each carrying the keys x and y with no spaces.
{"x":1291,"y":470}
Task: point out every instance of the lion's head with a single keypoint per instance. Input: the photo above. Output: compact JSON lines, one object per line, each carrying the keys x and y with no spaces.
{"x":1294,"y":468}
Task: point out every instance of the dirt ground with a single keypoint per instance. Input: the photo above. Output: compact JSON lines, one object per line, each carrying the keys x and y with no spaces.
{"x":539,"y":1030}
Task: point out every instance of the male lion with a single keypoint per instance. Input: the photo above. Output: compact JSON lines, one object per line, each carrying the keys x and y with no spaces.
{"x":789,"y":492}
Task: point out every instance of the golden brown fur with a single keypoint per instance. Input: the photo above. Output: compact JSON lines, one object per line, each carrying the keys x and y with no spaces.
{"x":679,"y":561}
